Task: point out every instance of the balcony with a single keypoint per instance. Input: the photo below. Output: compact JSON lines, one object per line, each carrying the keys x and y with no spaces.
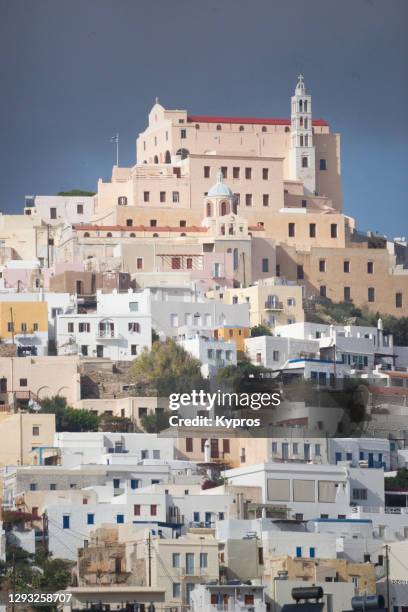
{"x":106,"y":334}
{"x":273,"y":305}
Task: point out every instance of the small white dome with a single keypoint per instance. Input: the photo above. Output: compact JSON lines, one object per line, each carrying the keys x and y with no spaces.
{"x":220,"y":189}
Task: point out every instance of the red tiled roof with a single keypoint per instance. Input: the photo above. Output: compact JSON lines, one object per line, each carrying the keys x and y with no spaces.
{"x":248,"y":120}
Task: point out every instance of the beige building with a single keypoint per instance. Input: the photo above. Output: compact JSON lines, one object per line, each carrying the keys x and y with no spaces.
{"x":133,"y":557}
{"x":21,"y":433}
{"x":272,"y":301}
{"x":362,"y":575}
{"x":133,"y":408}
{"x":25,"y":378}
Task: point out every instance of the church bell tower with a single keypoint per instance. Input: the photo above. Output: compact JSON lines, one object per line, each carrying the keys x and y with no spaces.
{"x":302,"y":151}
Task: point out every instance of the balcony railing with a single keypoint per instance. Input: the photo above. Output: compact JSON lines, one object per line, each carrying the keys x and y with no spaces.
{"x":273,"y":305}
{"x":106,"y":334}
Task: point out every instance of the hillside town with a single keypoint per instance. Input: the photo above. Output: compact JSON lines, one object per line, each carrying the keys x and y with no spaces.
{"x":221,"y":259}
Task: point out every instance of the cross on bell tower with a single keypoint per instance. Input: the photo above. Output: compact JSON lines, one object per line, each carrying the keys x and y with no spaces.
{"x":302,"y":151}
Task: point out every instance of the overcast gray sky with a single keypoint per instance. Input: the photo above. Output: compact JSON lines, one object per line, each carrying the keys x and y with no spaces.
{"x":74,"y":72}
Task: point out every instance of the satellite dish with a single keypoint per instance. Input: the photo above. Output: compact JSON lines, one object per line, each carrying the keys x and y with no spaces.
{"x":34,"y":405}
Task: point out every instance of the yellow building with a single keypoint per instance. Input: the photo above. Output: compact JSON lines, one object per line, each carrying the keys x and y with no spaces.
{"x":21,"y":433}
{"x":272,"y":301}
{"x":26,"y":325}
{"x":230,"y":333}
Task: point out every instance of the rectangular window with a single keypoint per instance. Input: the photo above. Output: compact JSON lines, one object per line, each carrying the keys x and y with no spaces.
{"x":176,"y":560}
{"x":312,"y":230}
{"x":300,"y":273}
{"x":174,"y":320}
{"x":175,"y":263}
{"x":23,"y":382}
{"x":275,"y":355}
{"x":84,"y":327}
{"x":312,"y":552}
{"x":153,"y":510}
{"x":235,"y":172}
{"x":183,"y":133}
{"x":53,"y":213}
{"x":371,"y":294}
{"x":203,"y":560}
{"x":80,"y":209}
{"x":398,"y":300}
{"x":162,"y":196}
{"x":136,"y":509}
{"x":248,"y":173}
{"x":146,"y":196}
{"x":134,"y":483}
{"x":189,"y":445}
{"x":120,"y":519}
{"x":265,"y":173}
{"x":322,"y":164}
{"x":206,"y":171}
{"x":176,"y":196}
{"x":333,"y":230}
{"x":24,"y":327}
{"x":291,"y":230}
{"x":265,"y":199}
{"x":265,"y":264}
{"x":346,"y":266}
{"x":139,"y":263}
{"x":53,"y":486}
{"x":36,"y":430}
{"x":65,"y":521}
{"x":370,"y":267}
{"x":347,"y":294}
{"x":133,"y":349}
{"x":35,"y":327}
{"x":116,"y":483}
{"x":190,"y":563}
{"x":224,"y":171}
{"x":248,"y":199}
{"x":298,"y":552}
{"x":322,"y":265}
{"x":10,"y":326}
{"x":70,"y":328}
{"x":90,"y":519}
{"x":176,"y":590}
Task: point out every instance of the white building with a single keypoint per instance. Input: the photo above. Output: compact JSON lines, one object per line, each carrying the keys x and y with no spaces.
{"x":212,"y":353}
{"x":232,"y":598}
{"x":119,"y":330}
{"x":54,"y":210}
{"x":370,"y":452}
{"x":312,"y":490}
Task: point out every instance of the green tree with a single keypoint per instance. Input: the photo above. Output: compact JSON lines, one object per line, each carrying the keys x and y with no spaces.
{"x":399,"y":481}
{"x":155,"y":422}
{"x":260,"y":330}
{"x":76,"y":192}
{"x":236,"y":377}
{"x":67,"y":418}
{"x":166,"y":369}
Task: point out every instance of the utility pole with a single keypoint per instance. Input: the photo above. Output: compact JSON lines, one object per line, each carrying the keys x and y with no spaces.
{"x":149,"y":556}
{"x":115,"y":140}
{"x":387,"y":561}
{"x":13,"y":581}
{"x":45,"y":533}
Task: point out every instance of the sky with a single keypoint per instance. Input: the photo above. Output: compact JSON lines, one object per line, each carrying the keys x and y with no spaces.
{"x":75,"y":72}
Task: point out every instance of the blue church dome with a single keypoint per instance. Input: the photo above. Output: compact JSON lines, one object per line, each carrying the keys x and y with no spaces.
{"x":220,"y":189}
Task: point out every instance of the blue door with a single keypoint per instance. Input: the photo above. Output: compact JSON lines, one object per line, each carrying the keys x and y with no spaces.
{"x":370,"y":460}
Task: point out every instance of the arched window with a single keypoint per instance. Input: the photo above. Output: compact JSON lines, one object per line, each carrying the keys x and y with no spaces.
{"x":122,"y":200}
{"x":109,"y":235}
{"x":300,"y":105}
{"x":156,"y":159}
{"x":87,"y":235}
{"x":304,"y":162}
{"x":209,"y":209}
{"x":241,"y":128}
{"x":306,"y":140}
{"x":223,"y":209}
{"x":132,"y":235}
{"x":37,"y":283}
{"x":305,"y":106}
{"x":197,"y":126}
{"x":301,"y":140}
{"x":287,"y":129}
{"x":155,"y":235}
{"x":301,"y":122}
{"x":264,"y":129}
{"x":183,"y":234}
{"x":167,"y":157}
{"x":306,"y":123}
{"x":219,"y":128}
{"x":183,"y":153}
{"x":129,"y":222}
